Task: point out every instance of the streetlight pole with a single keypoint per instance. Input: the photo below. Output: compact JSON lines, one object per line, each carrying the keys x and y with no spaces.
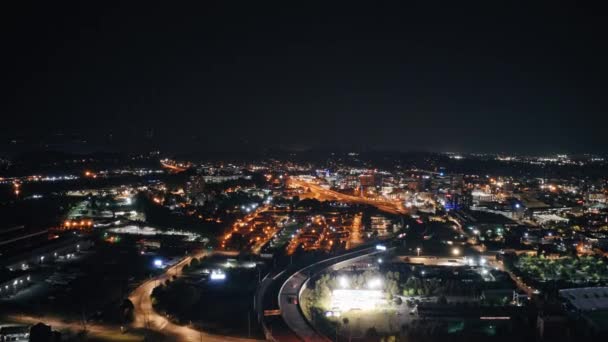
{"x":337,"y":323}
{"x":248,"y":324}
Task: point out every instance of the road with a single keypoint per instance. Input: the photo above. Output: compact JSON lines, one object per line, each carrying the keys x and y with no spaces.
{"x":146,"y":317}
{"x":322,"y":194}
{"x":433,"y":260}
{"x":356,"y":237}
{"x":104,"y":332}
{"x":291,"y":315}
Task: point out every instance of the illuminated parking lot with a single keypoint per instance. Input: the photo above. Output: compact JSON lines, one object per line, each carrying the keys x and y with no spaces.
{"x":345,"y":300}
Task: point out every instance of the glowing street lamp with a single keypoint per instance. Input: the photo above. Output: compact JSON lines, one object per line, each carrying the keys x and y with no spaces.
{"x":456,"y":252}
{"x":418,"y":251}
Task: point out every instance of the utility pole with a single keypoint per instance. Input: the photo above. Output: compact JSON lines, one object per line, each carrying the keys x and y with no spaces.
{"x":337,"y":331}
{"x":248,"y":324}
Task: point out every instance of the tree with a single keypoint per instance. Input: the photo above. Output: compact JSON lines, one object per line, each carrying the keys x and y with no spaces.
{"x":392,"y":287}
{"x":372,"y":333}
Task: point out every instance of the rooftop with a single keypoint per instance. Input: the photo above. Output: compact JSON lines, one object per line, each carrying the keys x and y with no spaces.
{"x":588,"y":298}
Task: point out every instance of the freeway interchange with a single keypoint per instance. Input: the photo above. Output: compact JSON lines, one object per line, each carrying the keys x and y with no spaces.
{"x":313,"y":190}
{"x":277,"y":299}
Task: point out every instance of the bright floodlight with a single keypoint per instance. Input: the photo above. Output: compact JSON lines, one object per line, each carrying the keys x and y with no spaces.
{"x":158,"y":263}
{"x":381,"y":247}
{"x":343,"y":282}
{"x":218,"y":275}
{"x":456,"y":251}
{"x":374,"y":283}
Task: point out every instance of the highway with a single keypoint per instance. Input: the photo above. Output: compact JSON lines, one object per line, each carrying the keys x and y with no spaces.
{"x":174,"y":167}
{"x":322,"y":194}
{"x":146,"y":317}
{"x":285,"y":288}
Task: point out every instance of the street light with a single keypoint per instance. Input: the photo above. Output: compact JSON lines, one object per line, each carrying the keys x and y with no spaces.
{"x":456,"y":252}
{"x":418,"y":251}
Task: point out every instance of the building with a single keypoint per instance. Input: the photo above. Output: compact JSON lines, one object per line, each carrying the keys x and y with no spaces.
{"x":589,"y":305}
{"x":367,"y":180}
{"x":17,"y":333}
{"x":195,"y":190}
{"x":587,"y":298}
{"x":41,"y":332}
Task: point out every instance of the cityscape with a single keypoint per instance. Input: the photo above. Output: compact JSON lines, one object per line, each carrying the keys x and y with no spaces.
{"x":247,"y":171}
{"x":432,"y":246}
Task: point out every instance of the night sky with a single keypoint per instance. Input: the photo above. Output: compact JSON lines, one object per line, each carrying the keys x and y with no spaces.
{"x":238,"y":75}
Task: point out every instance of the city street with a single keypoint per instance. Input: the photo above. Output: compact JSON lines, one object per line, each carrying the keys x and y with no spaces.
{"x":94,"y":330}
{"x":146,"y":317}
{"x":356,"y":237}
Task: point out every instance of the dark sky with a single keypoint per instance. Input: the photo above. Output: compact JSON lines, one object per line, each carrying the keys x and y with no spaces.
{"x":228,"y":75}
